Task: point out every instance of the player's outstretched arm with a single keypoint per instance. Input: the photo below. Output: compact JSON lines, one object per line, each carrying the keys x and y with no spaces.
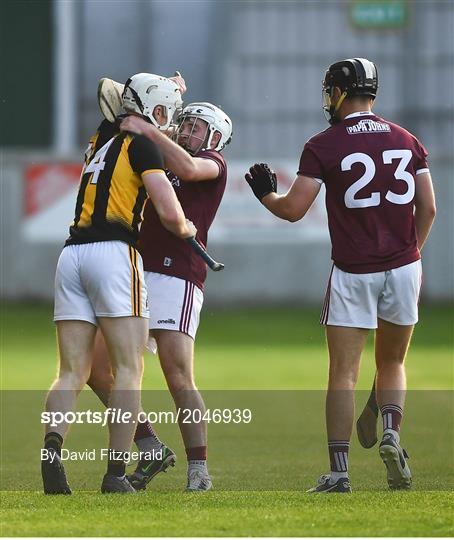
{"x":425,"y":208}
{"x":293,"y":205}
{"x":182,"y":164}
{"x":167,"y":205}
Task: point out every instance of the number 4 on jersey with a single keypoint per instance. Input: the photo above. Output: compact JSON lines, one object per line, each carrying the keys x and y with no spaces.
{"x":404,"y":156}
{"x":96,"y":165}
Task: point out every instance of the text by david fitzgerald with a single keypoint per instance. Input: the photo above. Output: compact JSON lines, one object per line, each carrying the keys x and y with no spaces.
{"x":100,"y":454}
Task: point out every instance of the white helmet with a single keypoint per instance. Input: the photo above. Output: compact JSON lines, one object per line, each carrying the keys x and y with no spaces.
{"x":144,"y":91}
{"x":216,"y":119}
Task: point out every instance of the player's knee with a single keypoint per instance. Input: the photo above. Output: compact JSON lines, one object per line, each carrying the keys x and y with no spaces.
{"x":101,"y":380}
{"x":179,"y":381}
{"x":129,"y":374}
{"x":343,"y":377}
{"x":390,"y":361}
{"x":73,"y":380}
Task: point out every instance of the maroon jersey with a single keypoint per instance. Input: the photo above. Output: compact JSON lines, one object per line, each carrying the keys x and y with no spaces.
{"x":369,"y":167}
{"x":162,"y":251}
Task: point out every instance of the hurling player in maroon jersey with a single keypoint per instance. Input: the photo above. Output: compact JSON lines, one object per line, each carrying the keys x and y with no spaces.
{"x":175,"y":276}
{"x":380,"y":205}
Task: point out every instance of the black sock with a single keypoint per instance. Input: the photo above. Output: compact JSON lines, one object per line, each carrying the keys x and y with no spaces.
{"x":117,"y":467}
{"x":53,"y":440}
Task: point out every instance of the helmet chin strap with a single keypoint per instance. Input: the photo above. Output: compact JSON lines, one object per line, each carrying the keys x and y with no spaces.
{"x":340,"y":101}
{"x":210,"y":134}
{"x":335,"y":108}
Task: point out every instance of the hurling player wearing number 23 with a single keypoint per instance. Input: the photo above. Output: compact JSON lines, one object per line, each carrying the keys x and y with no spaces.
{"x":381,"y":206}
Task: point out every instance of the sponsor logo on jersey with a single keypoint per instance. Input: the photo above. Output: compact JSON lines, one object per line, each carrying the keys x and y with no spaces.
{"x":167,"y":261}
{"x":166,"y":321}
{"x":173,"y":178}
{"x":368,"y":126}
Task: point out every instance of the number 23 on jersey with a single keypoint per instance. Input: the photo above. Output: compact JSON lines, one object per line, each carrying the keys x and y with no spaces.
{"x":400,"y":173}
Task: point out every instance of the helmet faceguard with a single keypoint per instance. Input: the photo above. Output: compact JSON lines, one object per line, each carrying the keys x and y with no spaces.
{"x":197,"y":125}
{"x":192,"y":133}
{"x":354,"y":77}
{"x":145,"y":91}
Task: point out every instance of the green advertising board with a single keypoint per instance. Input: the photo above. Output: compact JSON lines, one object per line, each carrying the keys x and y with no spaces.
{"x":26,"y":40}
{"x":378,"y":14}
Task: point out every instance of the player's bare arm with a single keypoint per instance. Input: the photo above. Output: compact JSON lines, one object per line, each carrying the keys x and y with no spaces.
{"x":425,"y":208}
{"x":177,"y":159}
{"x":291,"y":206}
{"x":167,"y":205}
{"x":294,"y":205}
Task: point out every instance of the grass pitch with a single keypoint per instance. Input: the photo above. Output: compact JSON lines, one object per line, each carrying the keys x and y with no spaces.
{"x":246,"y":513}
{"x":274,"y":361}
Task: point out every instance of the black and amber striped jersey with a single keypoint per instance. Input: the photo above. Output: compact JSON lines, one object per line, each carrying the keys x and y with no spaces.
{"x":111,"y":192}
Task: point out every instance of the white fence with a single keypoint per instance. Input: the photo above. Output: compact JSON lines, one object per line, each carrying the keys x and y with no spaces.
{"x":267,"y":260}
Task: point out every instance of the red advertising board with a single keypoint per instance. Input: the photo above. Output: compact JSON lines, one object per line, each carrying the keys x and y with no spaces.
{"x":45,"y":183}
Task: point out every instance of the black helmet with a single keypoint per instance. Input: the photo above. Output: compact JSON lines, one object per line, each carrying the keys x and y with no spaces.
{"x":354,"y":76}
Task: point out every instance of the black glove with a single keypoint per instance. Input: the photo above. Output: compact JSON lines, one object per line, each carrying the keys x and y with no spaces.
{"x":262,"y":180}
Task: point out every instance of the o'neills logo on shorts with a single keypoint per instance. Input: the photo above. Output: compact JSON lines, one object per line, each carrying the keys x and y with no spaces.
{"x":166,"y":321}
{"x":368,"y":126}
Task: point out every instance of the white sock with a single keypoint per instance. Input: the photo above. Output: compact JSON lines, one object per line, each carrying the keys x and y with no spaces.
{"x":335,"y":476}
{"x":392,"y":432}
{"x":197,"y":465}
{"x":149,"y":444}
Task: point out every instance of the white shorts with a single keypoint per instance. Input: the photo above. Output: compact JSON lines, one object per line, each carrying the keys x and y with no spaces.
{"x":358,"y":300}
{"x":102,"y":279}
{"x":175,"y":304}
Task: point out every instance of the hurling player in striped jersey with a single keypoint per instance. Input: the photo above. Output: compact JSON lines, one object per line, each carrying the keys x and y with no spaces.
{"x":175,"y":276}
{"x":99,"y":281}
